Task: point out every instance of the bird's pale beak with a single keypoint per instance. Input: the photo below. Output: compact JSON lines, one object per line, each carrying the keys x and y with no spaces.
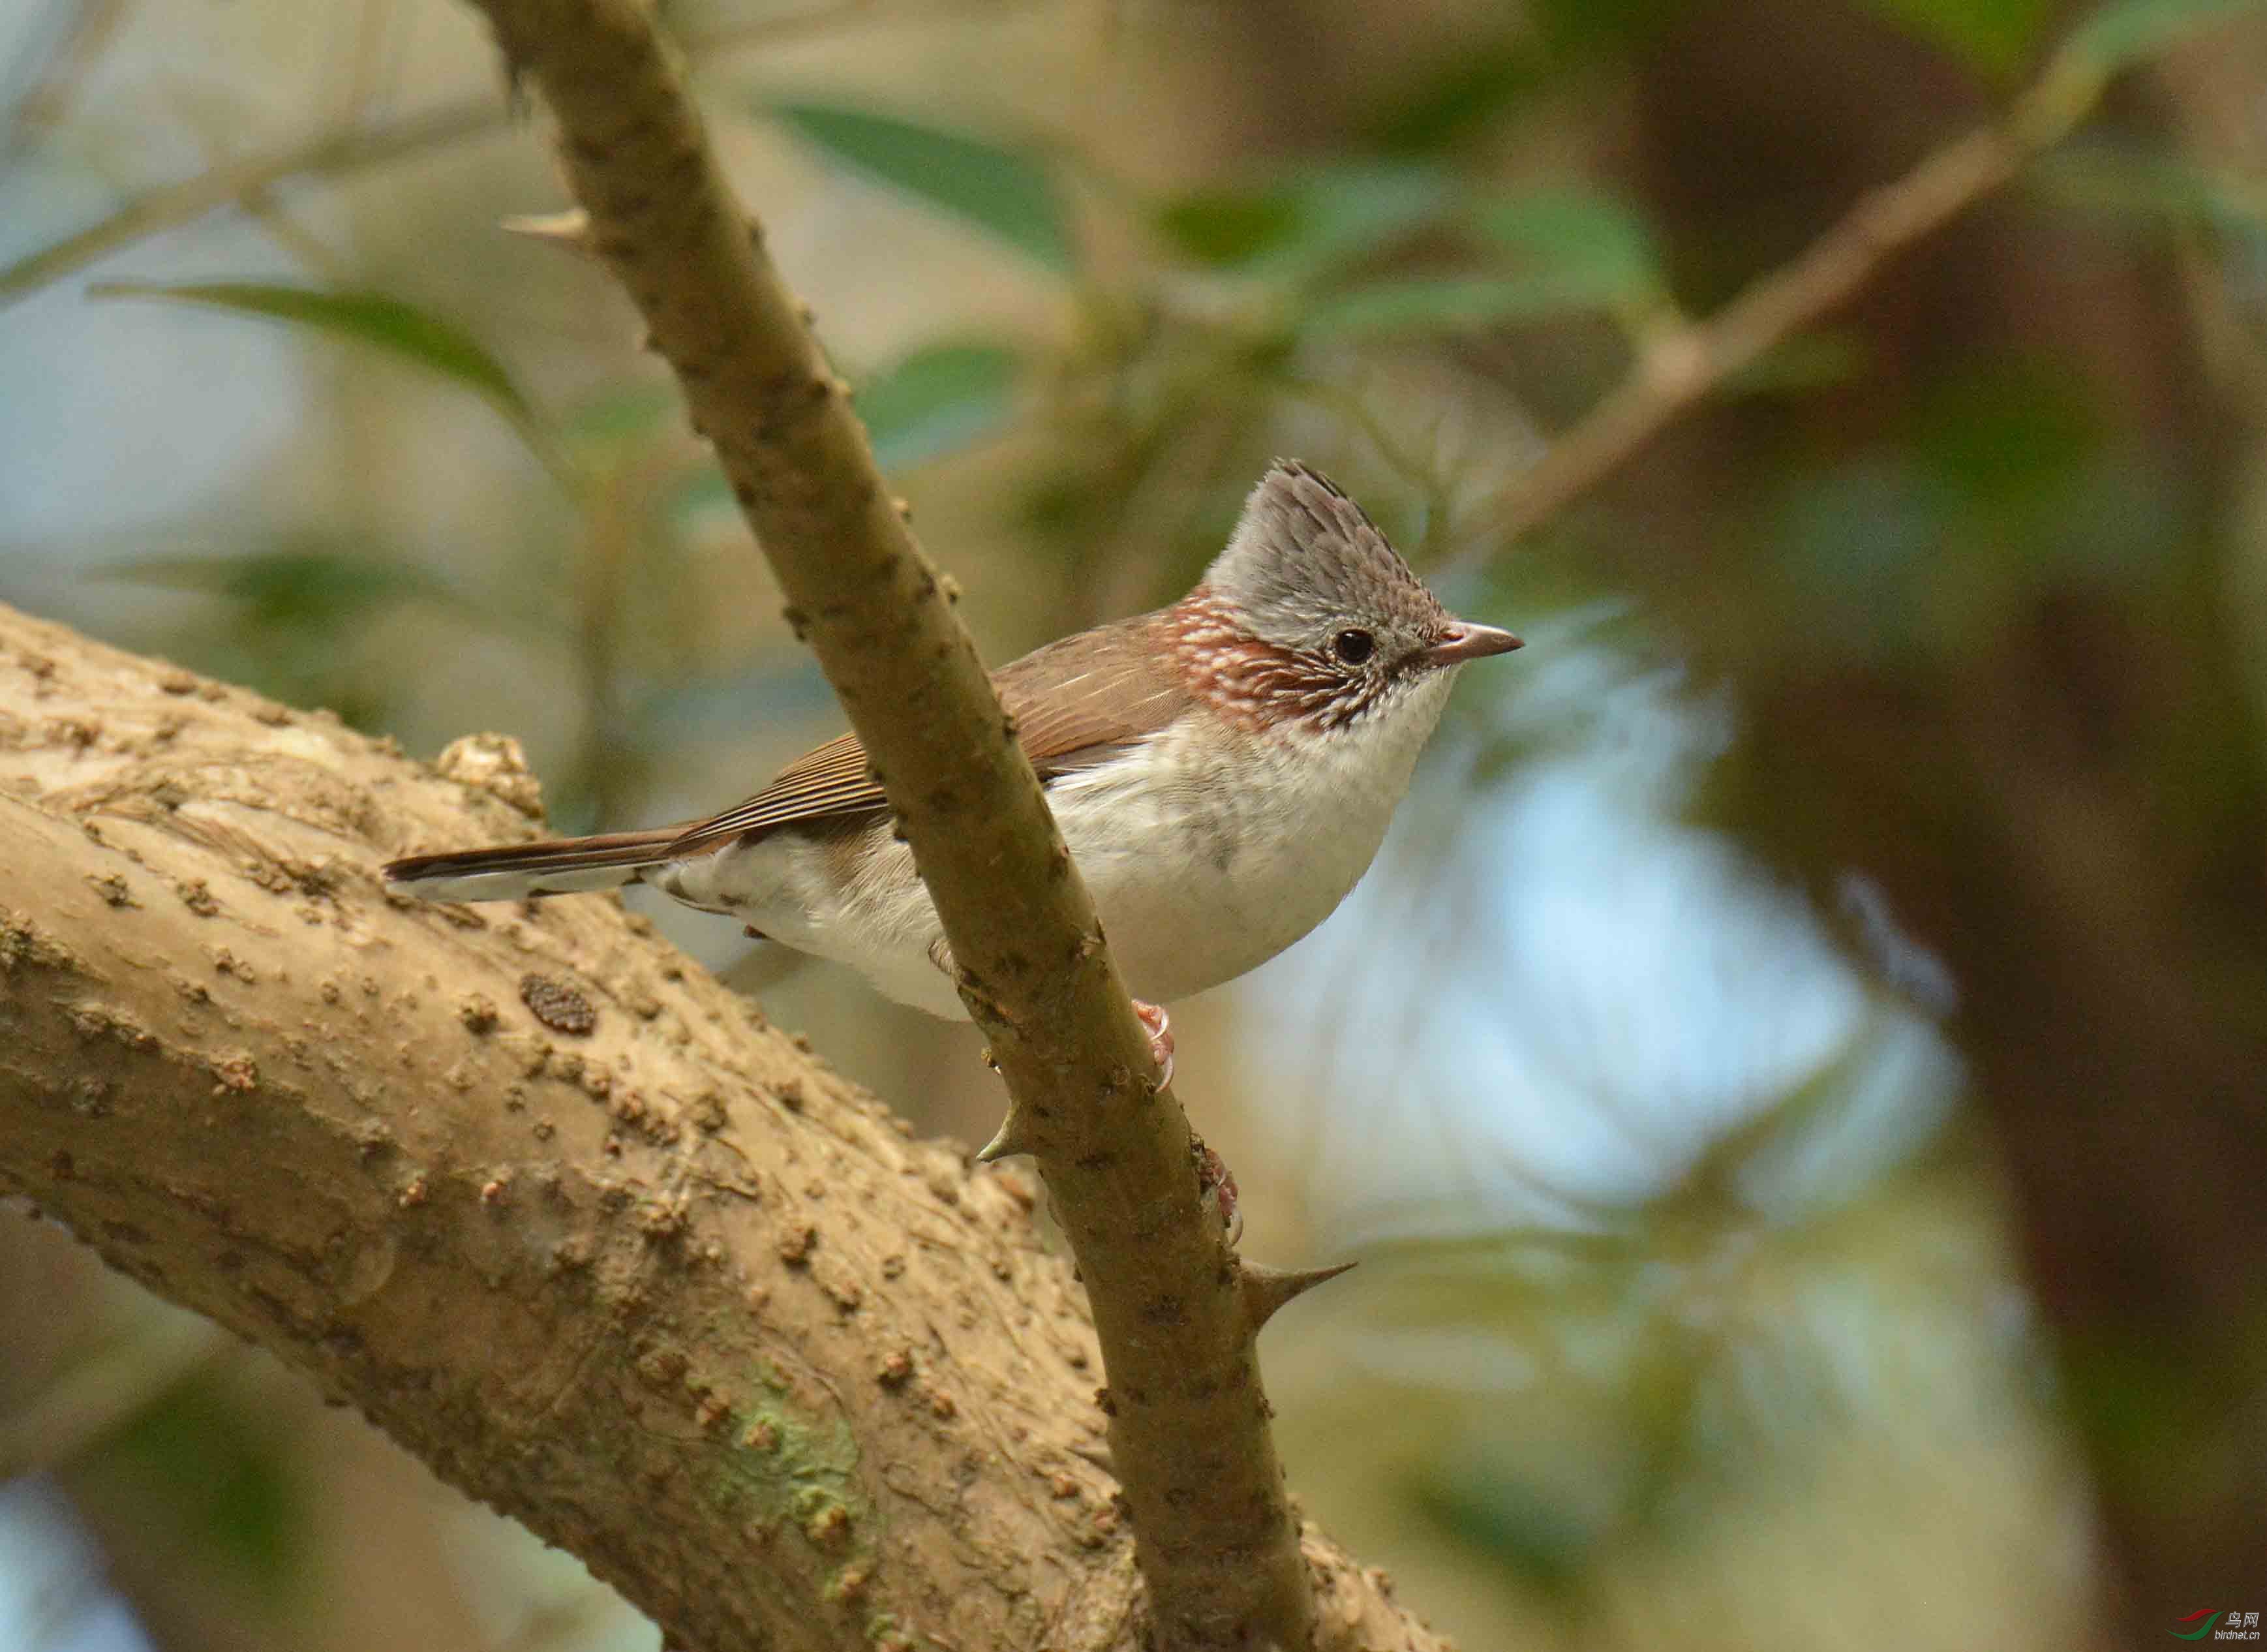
{"x":1466,"y":641}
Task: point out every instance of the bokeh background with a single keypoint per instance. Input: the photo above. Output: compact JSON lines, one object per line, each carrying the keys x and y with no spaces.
{"x":1793,"y":1077}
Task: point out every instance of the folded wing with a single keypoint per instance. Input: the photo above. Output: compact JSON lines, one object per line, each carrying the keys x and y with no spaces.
{"x":1074,"y":703}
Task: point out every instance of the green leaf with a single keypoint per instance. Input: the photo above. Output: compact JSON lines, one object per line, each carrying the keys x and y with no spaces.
{"x":1580,"y":250}
{"x":1478,"y":87}
{"x":1303,"y":224}
{"x":1990,"y":36}
{"x":1009,"y":196}
{"x":1523,"y":1521}
{"x":1449,"y":304}
{"x":1802,"y":362}
{"x":414,"y":336}
{"x":210,"y":1474}
{"x":704,"y":491}
{"x":293,"y":587}
{"x":1228,"y":227}
{"x":2118,"y":34}
{"x":1579,"y":30}
{"x":1582,"y":242}
{"x":2109,"y":179}
{"x":938,"y":399}
{"x":623,"y":413}
{"x":2004,"y":432}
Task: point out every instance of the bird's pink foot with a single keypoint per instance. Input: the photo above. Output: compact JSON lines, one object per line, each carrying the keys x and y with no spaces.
{"x":1216,"y":1180}
{"x":1160,"y":1038}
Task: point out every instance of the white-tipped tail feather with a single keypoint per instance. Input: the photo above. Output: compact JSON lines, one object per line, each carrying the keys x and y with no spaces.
{"x":512,"y":871}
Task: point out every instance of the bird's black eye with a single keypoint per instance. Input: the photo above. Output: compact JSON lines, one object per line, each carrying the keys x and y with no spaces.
{"x":1353,"y":647}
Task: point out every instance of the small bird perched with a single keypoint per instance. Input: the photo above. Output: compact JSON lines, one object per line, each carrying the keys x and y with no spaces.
{"x":1223,"y":771}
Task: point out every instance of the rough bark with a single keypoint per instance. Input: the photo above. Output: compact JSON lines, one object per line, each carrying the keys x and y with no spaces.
{"x":564,"y":1216}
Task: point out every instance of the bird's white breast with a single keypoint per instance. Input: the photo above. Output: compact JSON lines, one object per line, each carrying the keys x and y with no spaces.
{"x":1207,"y":857}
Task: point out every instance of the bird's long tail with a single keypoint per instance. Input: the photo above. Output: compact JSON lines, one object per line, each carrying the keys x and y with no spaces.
{"x":562,"y":866}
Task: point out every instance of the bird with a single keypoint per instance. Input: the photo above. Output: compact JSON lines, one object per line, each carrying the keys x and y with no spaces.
{"x":1223,"y":771}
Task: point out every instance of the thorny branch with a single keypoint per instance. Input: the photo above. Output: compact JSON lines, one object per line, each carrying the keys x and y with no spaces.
{"x":1191,"y":1445}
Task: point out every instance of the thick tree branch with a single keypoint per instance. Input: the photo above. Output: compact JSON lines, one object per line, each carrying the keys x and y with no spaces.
{"x":637,"y":1271}
{"x":1189,"y":1434}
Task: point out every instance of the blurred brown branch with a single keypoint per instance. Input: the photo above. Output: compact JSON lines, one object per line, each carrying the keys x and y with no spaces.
{"x":339,"y":154}
{"x":331,"y":154}
{"x":1682,"y":361}
{"x":56,"y":86}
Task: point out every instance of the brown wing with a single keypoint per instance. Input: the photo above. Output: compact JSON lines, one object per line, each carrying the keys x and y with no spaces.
{"x":1075,"y":703}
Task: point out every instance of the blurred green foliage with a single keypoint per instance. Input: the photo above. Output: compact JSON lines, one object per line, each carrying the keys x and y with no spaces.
{"x":214,"y":1480}
{"x":392,"y":325}
{"x":1996,"y":37}
{"x":1007,"y":195}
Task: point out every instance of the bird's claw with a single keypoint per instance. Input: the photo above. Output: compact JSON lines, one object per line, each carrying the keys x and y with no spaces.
{"x":1160,"y":1028}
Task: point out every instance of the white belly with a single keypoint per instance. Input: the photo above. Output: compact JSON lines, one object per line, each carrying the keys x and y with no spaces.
{"x":1199,"y":882}
{"x":1203,"y":864}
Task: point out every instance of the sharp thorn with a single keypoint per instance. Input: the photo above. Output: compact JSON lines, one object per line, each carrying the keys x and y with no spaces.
{"x":1266,"y":1289}
{"x":1007,"y":1142}
{"x":571,"y":228}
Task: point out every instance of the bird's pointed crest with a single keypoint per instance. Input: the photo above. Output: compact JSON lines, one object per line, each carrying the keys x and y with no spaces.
{"x":1304,"y":555}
